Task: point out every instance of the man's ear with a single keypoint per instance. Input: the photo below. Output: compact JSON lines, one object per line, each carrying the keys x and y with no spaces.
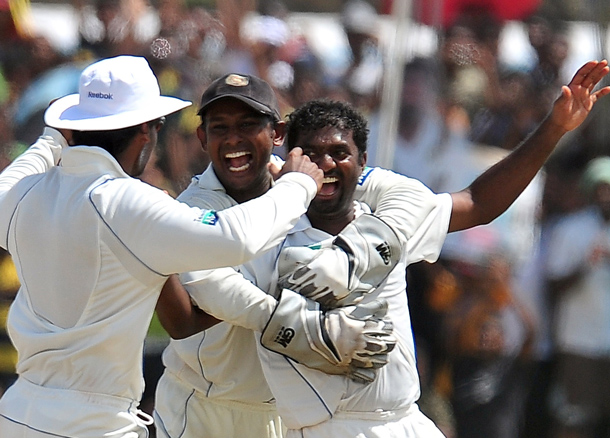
{"x":279,"y":133}
{"x":202,"y":137}
{"x":363,"y":159}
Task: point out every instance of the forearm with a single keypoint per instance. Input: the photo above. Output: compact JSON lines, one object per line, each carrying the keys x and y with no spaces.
{"x":187,"y":234}
{"x":493,"y":192}
{"x":498,"y":187}
{"x":228,"y":296}
{"x":177,"y":314}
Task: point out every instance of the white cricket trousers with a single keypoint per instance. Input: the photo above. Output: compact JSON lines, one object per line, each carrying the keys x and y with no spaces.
{"x":408,"y":423}
{"x":32,"y":411}
{"x":183,"y":412}
{"x":11,"y":429}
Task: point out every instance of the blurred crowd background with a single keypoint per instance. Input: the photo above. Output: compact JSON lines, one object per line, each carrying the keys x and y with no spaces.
{"x":448,"y":87}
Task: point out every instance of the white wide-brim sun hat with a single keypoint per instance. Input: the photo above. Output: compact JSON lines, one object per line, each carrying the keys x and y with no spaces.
{"x":113,"y":93}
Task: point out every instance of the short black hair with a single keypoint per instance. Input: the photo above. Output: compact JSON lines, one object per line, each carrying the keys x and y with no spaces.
{"x":113,"y":141}
{"x":321,"y":113}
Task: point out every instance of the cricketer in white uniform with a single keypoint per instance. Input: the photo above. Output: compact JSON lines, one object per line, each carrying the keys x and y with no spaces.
{"x":315,"y":404}
{"x":218,"y":372}
{"x":93,"y":247}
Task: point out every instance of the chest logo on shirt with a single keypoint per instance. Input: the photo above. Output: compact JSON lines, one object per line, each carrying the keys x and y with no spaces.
{"x":284,"y":336}
{"x":208,"y":218}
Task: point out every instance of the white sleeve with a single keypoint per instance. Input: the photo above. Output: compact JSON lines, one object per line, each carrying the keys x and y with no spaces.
{"x":223,"y":292}
{"x":228,"y":296}
{"x":38,"y":158}
{"x":420,"y":216}
{"x":170,"y":237}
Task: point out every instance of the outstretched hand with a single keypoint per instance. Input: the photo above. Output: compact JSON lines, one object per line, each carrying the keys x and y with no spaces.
{"x":577,"y":98}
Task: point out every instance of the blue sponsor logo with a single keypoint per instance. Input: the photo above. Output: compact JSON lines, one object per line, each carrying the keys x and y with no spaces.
{"x":209,"y":218}
{"x":364,"y":175}
{"x":106,"y":96}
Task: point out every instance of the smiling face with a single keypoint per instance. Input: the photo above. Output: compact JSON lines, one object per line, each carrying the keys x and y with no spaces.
{"x":334,"y":151}
{"x":239,"y":141}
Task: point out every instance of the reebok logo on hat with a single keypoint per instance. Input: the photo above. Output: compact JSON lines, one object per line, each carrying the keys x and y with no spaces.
{"x":107,"y":96}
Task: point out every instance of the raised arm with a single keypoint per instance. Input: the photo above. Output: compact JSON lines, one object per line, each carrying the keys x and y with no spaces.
{"x":499,"y":186}
{"x":39,"y":157}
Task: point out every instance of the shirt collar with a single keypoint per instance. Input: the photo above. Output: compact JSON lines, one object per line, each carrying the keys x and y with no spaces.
{"x":209,"y":181}
{"x":90,"y":159}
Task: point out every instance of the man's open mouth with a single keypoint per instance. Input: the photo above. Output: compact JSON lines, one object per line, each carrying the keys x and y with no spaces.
{"x":238,"y":161}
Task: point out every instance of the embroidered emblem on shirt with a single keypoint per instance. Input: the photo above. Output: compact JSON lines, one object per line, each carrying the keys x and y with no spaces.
{"x":209,"y":218}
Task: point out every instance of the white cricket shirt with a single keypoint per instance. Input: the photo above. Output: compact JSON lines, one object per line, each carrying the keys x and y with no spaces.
{"x":93,"y":248}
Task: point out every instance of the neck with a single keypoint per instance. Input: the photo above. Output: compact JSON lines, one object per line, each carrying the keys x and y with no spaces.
{"x":251,"y":192}
{"x":331,"y":223}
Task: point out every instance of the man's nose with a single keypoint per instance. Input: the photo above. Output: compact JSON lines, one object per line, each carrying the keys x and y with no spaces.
{"x":325,"y":162}
{"x":234,"y":134}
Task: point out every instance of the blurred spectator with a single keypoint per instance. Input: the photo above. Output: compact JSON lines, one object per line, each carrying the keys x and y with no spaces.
{"x":506,"y":121}
{"x":579,"y":279}
{"x":267,"y":34}
{"x":489,"y":334}
{"x":308,"y":78}
{"x":24,"y":57}
{"x":468,"y":62}
{"x":560,"y":196}
{"x":432,"y":401}
{"x":428,"y":146}
{"x":115,"y":27}
{"x":549,"y":41}
{"x":363,"y":78}
{"x":183,"y":56}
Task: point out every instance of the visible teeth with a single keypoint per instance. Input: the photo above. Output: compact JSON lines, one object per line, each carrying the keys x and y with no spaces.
{"x":329,"y":179}
{"x":240,"y":168}
{"x":237,"y":154}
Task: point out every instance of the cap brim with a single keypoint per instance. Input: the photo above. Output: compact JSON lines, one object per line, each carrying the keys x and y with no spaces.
{"x":245,"y":99}
{"x":65,"y":113}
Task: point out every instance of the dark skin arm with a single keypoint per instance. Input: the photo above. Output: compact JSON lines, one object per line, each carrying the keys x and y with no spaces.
{"x":498,"y":187}
{"x":177,"y":314}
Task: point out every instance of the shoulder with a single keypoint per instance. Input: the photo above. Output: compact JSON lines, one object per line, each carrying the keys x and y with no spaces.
{"x":196,"y":196}
{"x":375,"y":176}
{"x":206,"y":191}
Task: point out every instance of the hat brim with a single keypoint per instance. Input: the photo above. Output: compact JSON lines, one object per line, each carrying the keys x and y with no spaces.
{"x":65,"y":113}
{"x":245,"y":99}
